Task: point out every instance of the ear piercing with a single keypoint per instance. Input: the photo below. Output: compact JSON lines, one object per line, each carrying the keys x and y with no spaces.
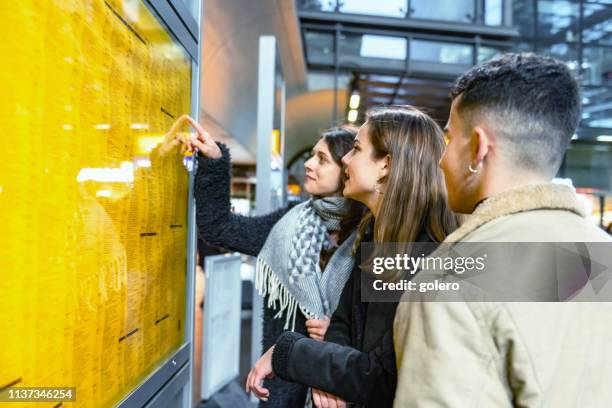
{"x":478,"y":167}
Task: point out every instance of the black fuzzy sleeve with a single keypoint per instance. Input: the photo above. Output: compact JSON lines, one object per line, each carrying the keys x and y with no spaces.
{"x":217,"y":225}
{"x":344,"y":371}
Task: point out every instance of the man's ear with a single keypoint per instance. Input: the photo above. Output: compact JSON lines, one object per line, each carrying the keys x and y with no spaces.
{"x":385,"y":168}
{"x":481,"y":142}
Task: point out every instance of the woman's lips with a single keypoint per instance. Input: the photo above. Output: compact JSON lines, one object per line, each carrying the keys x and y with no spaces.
{"x":309,"y":177}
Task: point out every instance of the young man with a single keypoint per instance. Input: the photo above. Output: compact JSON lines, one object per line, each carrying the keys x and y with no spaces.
{"x":511,"y":120}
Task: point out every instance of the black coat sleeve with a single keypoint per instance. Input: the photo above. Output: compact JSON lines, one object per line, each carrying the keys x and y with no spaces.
{"x":217,"y":225}
{"x":351,"y":374}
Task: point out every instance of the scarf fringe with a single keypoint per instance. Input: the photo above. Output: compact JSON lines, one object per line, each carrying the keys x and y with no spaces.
{"x":268,"y":284}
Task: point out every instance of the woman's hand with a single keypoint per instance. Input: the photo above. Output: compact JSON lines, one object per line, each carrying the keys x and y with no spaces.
{"x":174,"y":138}
{"x":322,"y":399}
{"x":317,"y":328}
{"x":262,"y":369}
{"x":202,"y":140}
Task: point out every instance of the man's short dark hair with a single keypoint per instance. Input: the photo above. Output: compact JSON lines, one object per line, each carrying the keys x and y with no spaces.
{"x":532,"y":101}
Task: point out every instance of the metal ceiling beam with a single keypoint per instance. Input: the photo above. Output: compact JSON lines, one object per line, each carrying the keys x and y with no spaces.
{"x":442,"y":93}
{"x":403,"y":24}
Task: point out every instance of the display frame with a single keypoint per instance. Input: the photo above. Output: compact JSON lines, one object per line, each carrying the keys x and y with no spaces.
{"x":170,"y":383}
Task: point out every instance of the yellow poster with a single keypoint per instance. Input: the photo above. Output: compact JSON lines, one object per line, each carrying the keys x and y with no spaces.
{"x":93,"y":205}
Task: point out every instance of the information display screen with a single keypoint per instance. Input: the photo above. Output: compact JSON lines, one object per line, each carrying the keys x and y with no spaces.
{"x":93,"y":197}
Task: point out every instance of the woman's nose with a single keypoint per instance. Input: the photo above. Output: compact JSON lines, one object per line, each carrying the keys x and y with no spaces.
{"x":308,"y":164}
{"x":345,"y":158}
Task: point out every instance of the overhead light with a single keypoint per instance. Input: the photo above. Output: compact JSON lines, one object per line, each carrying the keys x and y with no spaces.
{"x":354,"y":101}
{"x":103,"y":193}
{"x":123,"y":174}
{"x":67,"y":126}
{"x":139,"y":125}
{"x":604,"y":138}
{"x":102,"y":126}
{"x":382,"y":46}
{"x":143,"y":163}
{"x":352,"y":115}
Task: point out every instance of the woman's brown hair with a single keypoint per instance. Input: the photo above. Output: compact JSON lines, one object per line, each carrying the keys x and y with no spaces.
{"x":414,"y":195}
{"x":340,"y":141}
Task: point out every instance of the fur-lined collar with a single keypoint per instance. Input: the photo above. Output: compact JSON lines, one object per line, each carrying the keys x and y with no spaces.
{"x":547,"y":196}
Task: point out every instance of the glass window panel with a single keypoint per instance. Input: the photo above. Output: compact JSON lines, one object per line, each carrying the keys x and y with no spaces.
{"x":382,"y":78}
{"x":523,"y":17}
{"x":448,"y":10}
{"x":593,"y":8}
{"x":377,"y":46}
{"x":364,"y":50}
{"x":558,"y":19}
{"x":596,"y":107}
{"x":493,"y":12}
{"x":377,"y":100}
{"x":565,"y":52}
{"x":597,"y":24}
{"x":590,"y":165}
{"x":597,"y":66}
{"x":317,"y":5}
{"x":487,"y":52}
{"x":446,"y":53}
{"x":387,"y":8}
{"x":599,"y":1}
{"x":320,"y":47}
{"x":523,"y":47}
{"x":381,"y":90}
{"x":562,"y":51}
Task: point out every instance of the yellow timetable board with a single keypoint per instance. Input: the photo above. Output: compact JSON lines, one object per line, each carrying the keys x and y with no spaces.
{"x":93,"y":197}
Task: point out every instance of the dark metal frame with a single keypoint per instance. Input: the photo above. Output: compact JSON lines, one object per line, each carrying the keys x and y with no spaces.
{"x":354,"y":23}
{"x":338,"y":29}
{"x":427,"y":69}
{"x":177,"y":18}
{"x":472,"y":34}
{"x":409,"y":23}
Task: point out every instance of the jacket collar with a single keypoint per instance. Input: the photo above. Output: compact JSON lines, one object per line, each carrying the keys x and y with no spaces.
{"x":547,"y":196}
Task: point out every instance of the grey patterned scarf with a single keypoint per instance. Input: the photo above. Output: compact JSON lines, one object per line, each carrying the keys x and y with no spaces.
{"x":288,"y":270}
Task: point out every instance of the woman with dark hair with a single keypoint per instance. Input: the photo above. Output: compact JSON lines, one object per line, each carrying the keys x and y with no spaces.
{"x":393,"y":170}
{"x":303,"y":251}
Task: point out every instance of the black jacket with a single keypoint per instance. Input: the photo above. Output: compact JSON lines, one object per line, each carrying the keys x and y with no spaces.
{"x":218,"y":226}
{"x":357,"y":359}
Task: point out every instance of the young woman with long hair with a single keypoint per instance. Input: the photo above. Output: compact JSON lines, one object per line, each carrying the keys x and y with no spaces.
{"x":303,"y":251}
{"x":393,"y":170}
